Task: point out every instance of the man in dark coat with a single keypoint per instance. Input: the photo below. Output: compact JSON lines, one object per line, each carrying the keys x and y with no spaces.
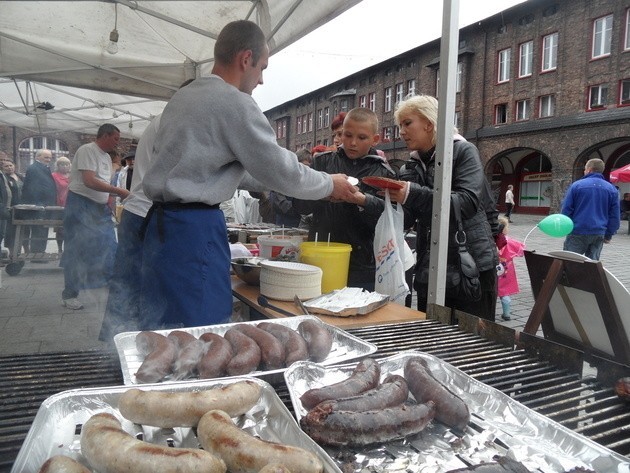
{"x":39,"y":189}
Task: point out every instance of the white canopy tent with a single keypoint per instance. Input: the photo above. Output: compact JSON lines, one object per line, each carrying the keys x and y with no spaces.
{"x":51,"y":51}
{"x":58,"y":50}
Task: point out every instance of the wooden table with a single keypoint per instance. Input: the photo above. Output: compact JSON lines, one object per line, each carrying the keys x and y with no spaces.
{"x":388,"y":314}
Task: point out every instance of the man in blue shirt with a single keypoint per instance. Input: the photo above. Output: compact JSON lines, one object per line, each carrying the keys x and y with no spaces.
{"x":593,"y":205}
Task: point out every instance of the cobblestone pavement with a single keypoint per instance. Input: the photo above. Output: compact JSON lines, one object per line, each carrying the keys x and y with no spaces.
{"x":33,"y":320}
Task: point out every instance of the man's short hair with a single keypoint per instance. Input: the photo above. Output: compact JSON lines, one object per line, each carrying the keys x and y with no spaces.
{"x":595,"y":165}
{"x":363,"y":115}
{"x":237,"y":36}
{"x":106,"y":129}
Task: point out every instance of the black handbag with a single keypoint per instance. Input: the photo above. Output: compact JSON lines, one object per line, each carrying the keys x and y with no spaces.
{"x":462,"y":277}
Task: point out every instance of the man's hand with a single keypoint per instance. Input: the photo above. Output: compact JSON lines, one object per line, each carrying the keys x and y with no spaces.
{"x":342,"y":189}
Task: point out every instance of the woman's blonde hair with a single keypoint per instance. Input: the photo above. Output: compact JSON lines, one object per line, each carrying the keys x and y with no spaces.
{"x":62,"y":160}
{"x":424,"y":105}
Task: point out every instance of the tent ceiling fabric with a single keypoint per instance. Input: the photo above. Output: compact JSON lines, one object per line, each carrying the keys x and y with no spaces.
{"x":160,"y":45}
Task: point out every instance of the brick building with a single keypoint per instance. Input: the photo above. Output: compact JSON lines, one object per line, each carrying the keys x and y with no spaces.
{"x":542,"y":87}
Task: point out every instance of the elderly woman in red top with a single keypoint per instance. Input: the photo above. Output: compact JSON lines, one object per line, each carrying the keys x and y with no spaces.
{"x":62,"y":179}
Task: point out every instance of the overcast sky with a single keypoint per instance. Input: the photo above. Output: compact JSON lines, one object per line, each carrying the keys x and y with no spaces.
{"x":368,"y":33}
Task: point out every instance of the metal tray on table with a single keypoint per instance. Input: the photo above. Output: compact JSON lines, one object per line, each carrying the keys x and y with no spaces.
{"x":56,"y":429}
{"x":499,"y":425}
{"x":345,"y":347}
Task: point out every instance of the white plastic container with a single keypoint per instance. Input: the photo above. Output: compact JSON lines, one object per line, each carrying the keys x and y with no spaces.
{"x":286,"y":248}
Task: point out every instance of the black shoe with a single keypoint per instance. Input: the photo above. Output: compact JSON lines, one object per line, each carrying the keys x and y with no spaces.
{"x":506,"y":317}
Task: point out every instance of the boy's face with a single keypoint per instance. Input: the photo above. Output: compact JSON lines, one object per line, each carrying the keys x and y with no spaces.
{"x":358,"y":138}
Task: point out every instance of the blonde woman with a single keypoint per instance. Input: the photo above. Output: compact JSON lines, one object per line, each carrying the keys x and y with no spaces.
{"x":417,"y":117}
{"x":62,"y":179}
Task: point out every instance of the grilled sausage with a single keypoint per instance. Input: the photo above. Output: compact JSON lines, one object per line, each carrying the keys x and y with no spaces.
{"x":184,"y":409}
{"x":365,"y":376}
{"x":343,"y":428}
{"x":109,"y":449}
{"x":180,"y":338}
{"x":62,"y":464}
{"x":393,"y":392}
{"x":450,"y":408}
{"x":274,"y":468}
{"x":294,"y":343}
{"x":246,"y":353}
{"x":244,"y":453}
{"x":218,"y":353}
{"x":318,"y":339}
{"x":160,"y":355}
{"x":189,"y":352}
{"x":271,"y":350}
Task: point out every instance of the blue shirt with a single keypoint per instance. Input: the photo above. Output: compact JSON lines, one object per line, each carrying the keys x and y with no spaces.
{"x":593,"y":205}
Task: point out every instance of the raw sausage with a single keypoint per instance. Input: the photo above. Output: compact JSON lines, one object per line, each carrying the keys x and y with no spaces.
{"x":392,"y":392}
{"x":294,"y":343}
{"x":218,"y":353}
{"x":246,"y":353}
{"x":109,"y":449}
{"x":450,"y":408}
{"x":244,"y":453}
{"x":318,"y":339}
{"x":344,"y":428}
{"x":62,"y":464}
{"x":271,"y":350}
{"x":365,"y":376}
{"x":160,"y":355}
{"x":184,"y":409}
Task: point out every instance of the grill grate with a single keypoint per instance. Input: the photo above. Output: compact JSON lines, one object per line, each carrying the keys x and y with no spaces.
{"x":544,"y":381}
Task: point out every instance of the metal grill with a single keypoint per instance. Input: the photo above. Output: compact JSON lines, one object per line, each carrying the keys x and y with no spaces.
{"x":543,"y":376}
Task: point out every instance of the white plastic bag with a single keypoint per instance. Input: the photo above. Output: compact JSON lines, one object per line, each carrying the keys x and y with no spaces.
{"x":389,"y":241}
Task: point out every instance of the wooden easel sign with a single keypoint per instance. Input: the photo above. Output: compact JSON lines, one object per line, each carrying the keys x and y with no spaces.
{"x":580,"y":304}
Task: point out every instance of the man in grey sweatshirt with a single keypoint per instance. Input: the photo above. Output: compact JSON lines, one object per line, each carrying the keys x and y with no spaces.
{"x":212,"y":133}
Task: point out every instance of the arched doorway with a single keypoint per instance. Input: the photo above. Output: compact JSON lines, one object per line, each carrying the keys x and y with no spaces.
{"x":529,"y":171}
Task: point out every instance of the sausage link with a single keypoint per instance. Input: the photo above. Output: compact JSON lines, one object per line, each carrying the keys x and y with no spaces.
{"x":246,"y":353}
{"x":109,"y":449}
{"x":274,"y":468}
{"x":393,"y":392}
{"x":450,"y":408}
{"x":294,"y":343}
{"x":318,"y":339}
{"x":62,"y":464}
{"x":271,"y":350}
{"x":218,"y":353}
{"x":180,"y":338}
{"x":184,"y":409}
{"x":355,"y":429}
{"x":365,"y":376}
{"x":244,"y":453}
{"x":160,"y":355}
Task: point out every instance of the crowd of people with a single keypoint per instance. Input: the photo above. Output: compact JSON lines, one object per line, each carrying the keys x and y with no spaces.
{"x":167,"y":263}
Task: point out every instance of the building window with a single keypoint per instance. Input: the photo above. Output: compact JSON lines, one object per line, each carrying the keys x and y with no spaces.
{"x":411,"y":87}
{"x":523,"y":109}
{"x":456,"y":119}
{"x":343,"y":104}
{"x":547,"y":106}
{"x":388,"y":99}
{"x":310,"y":121}
{"x":597,"y":96}
{"x":372,"y":80}
{"x":602,"y":36}
{"x":504,"y":65}
{"x":400,"y":92}
{"x":298,"y":125}
{"x":525,"y":59}
{"x":284,"y":128}
{"x":437,"y":83}
{"x":624,"y":92}
{"x":320,"y":119}
{"x":304,"y":125}
{"x":326,"y":117}
{"x":411,"y":64}
{"x":386,"y":134}
{"x":279,"y":129}
{"x":372,"y":101}
{"x":550,"y":52}
{"x":458,"y":77}
{"x":362,"y":101}
{"x":500,"y":114}
{"x":626,"y":43}
{"x":30,"y":146}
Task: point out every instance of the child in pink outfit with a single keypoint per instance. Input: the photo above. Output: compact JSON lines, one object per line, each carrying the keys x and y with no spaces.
{"x":506,"y":273}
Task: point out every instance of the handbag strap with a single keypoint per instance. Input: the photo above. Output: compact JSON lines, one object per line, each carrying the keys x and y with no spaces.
{"x":460,"y":234}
